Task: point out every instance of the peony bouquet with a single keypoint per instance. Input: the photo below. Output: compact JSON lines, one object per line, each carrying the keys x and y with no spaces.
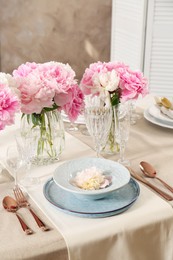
{"x":113,"y":83}
{"x":46,"y":89}
{"x":115,"y":78}
{"x":9,"y":100}
{"x":48,"y":86}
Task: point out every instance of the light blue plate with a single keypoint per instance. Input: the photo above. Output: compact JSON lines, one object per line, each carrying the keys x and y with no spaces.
{"x":68,"y":170}
{"x":116,"y":203}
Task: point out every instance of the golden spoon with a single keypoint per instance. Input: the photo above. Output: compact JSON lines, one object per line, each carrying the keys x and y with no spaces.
{"x":149,"y":171}
{"x":166,"y":103}
{"x":11,"y":205}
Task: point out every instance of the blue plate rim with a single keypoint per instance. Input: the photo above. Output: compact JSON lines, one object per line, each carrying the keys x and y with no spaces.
{"x":91,"y":213}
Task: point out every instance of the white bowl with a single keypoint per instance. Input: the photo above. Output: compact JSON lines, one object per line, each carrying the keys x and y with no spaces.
{"x":67,"y":171}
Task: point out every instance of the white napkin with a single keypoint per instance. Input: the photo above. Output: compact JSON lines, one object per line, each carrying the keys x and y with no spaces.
{"x":166,"y":111}
{"x":5,"y":176}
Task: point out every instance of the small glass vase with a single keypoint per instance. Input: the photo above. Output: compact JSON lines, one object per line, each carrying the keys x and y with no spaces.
{"x":47,"y":128}
{"x":112,"y":147}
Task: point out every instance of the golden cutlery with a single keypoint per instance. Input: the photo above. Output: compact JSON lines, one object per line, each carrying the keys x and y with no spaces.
{"x":22,"y":202}
{"x":150,"y":172}
{"x":166,"y":103}
{"x":11,"y":206}
{"x":141,"y":179}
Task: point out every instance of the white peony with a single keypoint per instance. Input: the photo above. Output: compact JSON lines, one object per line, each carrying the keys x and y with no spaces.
{"x":8,"y":81}
{"x":91,"y":179}
{"x":109,"y":80}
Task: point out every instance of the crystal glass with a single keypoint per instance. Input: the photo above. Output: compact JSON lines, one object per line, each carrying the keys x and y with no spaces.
{"x":14,"y":162}
{"x":123,"y":129}
{"x":98,"y":122}
{"x":134,"y":116}
{"x":19,"y":157}
{"x":72,"y":126}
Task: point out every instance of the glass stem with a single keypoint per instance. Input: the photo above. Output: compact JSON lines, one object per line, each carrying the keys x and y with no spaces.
{"x":15,"y":178}
{"x":97,"y":148}
{"x":122,"y":151}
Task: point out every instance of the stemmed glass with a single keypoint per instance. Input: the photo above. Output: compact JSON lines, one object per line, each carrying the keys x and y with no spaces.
{"x":134,"y":116}
{"x":72,"y":126}
{"x":98,"y":122}
{"x":123,"y":129}
{"x":14,"y":162}
{"x":19,"y":157}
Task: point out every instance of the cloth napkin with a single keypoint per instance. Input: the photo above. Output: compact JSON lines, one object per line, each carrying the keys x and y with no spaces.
{"x":165,"y":110}
{"x":5,"y":176}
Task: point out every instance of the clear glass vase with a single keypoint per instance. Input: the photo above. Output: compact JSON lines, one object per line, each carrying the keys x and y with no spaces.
{"x":112,"y":147}
{"x":47,"y":130}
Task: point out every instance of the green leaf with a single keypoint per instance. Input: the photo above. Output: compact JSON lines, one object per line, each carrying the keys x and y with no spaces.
{"x":115,"y":99}
{"x":51,"y":108}
{"x":23,"y":115}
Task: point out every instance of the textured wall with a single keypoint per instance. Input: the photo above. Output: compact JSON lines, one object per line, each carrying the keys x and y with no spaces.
{"x":73,"y":31}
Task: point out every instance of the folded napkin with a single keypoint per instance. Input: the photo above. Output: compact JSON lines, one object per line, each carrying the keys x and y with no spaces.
{"x":5,"y":176}
{"x":166,"y":111}
{"x":165,"y":106}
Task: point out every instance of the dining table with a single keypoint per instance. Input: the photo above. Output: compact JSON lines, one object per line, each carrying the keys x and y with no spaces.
{"x":142,"y":232}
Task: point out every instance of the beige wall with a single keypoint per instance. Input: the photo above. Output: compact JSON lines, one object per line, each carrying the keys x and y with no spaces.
{"x":73,"y":31}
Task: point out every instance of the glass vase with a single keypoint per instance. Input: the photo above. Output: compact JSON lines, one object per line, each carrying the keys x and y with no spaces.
{"x":112,"y":146}
{"x":47,"y":130}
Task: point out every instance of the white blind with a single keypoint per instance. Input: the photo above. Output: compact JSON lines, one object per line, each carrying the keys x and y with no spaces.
{"x":128,"y":32}
{"x":158,"y":65}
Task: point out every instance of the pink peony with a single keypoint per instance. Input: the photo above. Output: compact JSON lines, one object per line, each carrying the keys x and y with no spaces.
{"x":132,"y":84}
{"x":45,"y":85}
{"x":25,"y":69}
{"x":116,"y":78}
{"x":86,"y":83}
{"x":9,"y":105}
{"x":75,"y":104}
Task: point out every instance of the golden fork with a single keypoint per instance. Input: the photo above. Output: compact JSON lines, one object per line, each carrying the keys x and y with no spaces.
{"x":22,"y":202}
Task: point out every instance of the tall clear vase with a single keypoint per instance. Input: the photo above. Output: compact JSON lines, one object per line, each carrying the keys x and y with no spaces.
{"x":47,"y":128}
{"x":112,"y":147}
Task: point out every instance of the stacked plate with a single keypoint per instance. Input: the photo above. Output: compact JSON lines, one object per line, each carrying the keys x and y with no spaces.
{"x":114,"y":199}
{"x":155,"y":116}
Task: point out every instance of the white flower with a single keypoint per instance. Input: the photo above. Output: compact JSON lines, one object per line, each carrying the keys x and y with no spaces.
{"x":91,"y":179}
{"x":8,"y":81}
{"x":105,"y":99}
{"x":109,"y":80}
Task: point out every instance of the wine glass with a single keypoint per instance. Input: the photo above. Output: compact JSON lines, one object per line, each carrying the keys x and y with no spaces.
{"x":19,"y":158}
{"x":123,"y":129}
{"x":73,"y":126}
{"x":14,"y":163}
{"x":98,"y":121}
{"x":134,"y":116}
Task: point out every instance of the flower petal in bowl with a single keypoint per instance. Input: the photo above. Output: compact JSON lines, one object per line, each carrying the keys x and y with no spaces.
{"x":66,"y":172}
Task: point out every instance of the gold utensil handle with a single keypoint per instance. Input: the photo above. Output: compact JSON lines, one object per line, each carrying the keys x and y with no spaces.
{"x":38,"y":220}
{"x":25,"y":228}
{"x":162,"y":193}
{"x":165,"y":184}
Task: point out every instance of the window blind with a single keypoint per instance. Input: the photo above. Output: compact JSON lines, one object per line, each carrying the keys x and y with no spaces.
{"x":128,"y":32}
{"x":158,"y":66}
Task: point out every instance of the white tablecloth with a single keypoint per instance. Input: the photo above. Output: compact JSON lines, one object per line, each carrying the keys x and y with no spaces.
{"x":145,"y":231}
